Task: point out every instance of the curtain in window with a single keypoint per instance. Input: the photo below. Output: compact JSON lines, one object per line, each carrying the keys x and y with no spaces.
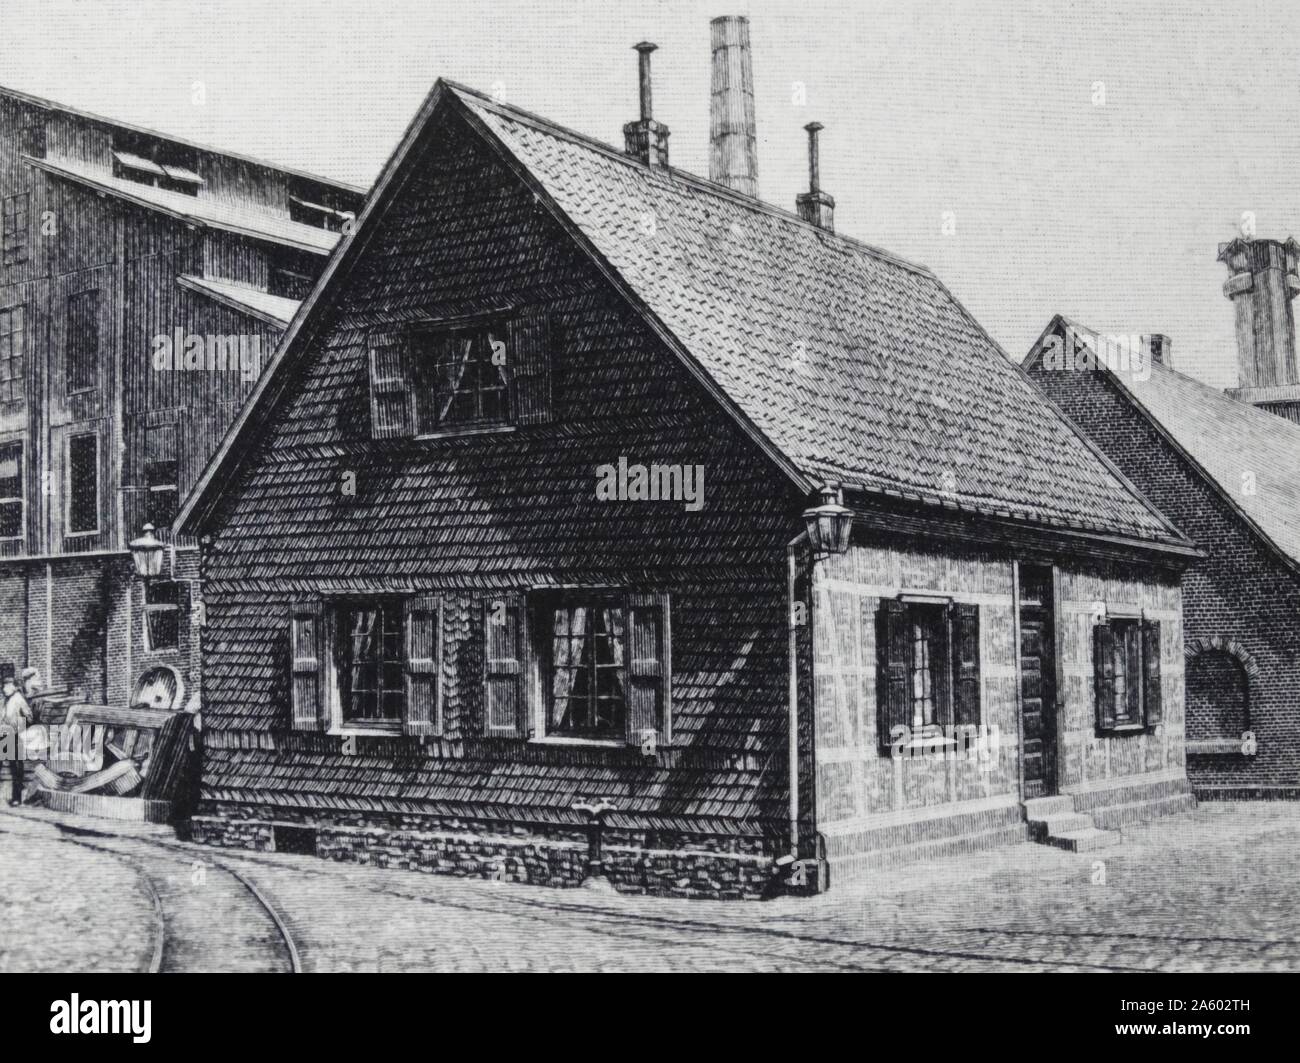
{"x":617,"y":640}
{"x":567,"y":659}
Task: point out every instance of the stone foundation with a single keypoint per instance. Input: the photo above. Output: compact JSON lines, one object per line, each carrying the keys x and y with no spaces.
{"x":555,"y":857}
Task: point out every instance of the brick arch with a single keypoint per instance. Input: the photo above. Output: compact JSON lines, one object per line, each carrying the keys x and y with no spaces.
{"x":1219,"y":644}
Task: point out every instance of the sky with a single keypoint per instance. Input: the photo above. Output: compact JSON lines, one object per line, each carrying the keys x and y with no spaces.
{"x":1041,"y":158}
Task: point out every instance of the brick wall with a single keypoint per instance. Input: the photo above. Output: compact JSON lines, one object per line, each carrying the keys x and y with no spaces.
{"x":1240,"y":593}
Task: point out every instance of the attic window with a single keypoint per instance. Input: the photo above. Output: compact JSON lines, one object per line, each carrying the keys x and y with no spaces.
{"x":435,"y":378}
{"x":160,"y":163}
{"x":317,"y":215}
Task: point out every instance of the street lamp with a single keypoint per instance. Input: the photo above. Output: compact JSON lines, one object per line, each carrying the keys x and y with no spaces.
{"x":147,"y":553}
{"x":829,"y":524}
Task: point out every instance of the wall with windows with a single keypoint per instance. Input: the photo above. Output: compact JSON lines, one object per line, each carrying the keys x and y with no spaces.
{"x":860,"y":780}
{"x":612,"y":610}
{"x":871,"y":775}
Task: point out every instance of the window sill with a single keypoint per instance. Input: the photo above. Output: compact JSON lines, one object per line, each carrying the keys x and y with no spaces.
{"x":1127,"y":729}
{"x":560,"y":740}
{"x":1216,"y":747}
{"x":378,"y":732}
{"x":468,"y":430}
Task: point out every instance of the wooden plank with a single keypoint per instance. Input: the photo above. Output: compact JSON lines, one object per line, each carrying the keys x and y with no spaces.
{"x":47,"y":778}
{"x":101,"y":779}
{"x":117,"y":715}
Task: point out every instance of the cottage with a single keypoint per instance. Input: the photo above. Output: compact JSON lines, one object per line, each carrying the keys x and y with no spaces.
{"x":1225,"y":467}
{"x":912,"y":600}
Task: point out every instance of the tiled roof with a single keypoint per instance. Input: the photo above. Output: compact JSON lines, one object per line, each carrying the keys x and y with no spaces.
{"x":273,"y":309}
{"x":858,"y":366}
{"x":201,"y":210}
{"x":1236,"y":445}
{"x":845,"y":362}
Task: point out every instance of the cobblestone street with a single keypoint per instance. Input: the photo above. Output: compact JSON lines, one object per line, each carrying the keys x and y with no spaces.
{"x":1214,"y":890}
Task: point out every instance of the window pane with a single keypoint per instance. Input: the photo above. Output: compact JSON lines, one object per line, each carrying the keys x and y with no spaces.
{"x":12,"y":354}
{"x":82,"y":342}
{"x":164,"y":628}
{"x":371,"y":677}
{"x":459,"y":380}
{"x":83,"y":484}
{"x":588,"y":671}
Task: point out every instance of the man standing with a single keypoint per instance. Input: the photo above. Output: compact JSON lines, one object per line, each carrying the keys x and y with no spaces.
{"x":17,"y":714}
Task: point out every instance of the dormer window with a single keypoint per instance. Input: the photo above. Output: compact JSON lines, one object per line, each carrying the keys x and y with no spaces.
{"x":460,"y":375}
{"x":319,"y":205}
{"x":160,"y":163}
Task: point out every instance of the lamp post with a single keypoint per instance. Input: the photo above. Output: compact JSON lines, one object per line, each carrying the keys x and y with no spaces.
{"x":147,"y":554}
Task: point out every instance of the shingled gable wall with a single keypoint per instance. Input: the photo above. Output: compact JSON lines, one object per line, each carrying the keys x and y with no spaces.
{"x":1240,"y":594}
{"x":466,"y":518}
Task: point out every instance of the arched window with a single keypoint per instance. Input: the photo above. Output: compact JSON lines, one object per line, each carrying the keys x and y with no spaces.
{"x":1217,"y":696}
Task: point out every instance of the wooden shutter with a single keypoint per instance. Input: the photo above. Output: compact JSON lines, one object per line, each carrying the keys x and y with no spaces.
{"x":893,"y":645}
{"x":1103,"y":663}
{"x":1151,"y":670}
{"x":503,"y":666}
{"x":965,"y":663}
{"x":423,"y":628}
{"x":530,"y":360}
{"x":648,"y":678}
{"x":392,"y":409}
{"x":306,"y":647}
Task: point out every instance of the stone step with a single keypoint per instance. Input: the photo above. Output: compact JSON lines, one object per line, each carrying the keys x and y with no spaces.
{"x":1085,"y":841}
{"x":854,"y":866}
{"x":1061,"y":824}
{"x":1112,"y":817}
{"x":1131,"y":794}
{"x":1042,"y":807}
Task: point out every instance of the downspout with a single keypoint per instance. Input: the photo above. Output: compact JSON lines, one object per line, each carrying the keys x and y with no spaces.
{"x":793,"y":693}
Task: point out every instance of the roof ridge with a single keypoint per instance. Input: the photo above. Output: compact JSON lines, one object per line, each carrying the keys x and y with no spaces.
{"x":546,"y":125}
{"x":256,"y":160}
{"x":1247,"y":408}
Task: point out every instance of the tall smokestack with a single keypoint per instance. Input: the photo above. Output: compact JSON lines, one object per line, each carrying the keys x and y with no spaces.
{"x":733,"y":151}
{"x":1262,"y":282}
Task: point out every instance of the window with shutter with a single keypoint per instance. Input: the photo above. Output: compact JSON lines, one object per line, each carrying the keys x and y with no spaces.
{"x":893,"y":673}
{"x":1126,"y":663}
{"x":503,"y":666}
{"x":423,"y":672}
{"x":1104,"y":678}
{"x":306,"y":645}
{"x":392,"y":408}
{"x":530,"y":347}
{"x":966,"y":664}
{"x":647,"y":686}
{"x":1151,"y":693}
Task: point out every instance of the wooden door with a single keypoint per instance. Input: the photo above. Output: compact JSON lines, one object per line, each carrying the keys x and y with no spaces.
{"x":1038,"y":680}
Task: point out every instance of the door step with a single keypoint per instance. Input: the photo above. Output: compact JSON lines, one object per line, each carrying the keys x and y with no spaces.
{"x":1054,"y":821}
{"x":1086,"y":840}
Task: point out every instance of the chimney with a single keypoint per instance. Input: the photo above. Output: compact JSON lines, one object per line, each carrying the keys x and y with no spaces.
{"x":646,"y":139}
{"x":815,"y":206}
{"x":1159,"y":349}
{"x":733,"y":154}
{"x":1262,"y":281}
